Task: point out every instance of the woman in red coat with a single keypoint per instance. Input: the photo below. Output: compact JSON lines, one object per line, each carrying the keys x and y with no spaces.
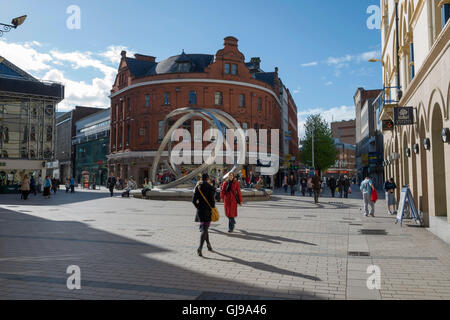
{"x":231,"y":191}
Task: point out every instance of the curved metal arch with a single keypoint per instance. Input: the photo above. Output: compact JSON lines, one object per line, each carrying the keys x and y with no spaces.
{"x":216,"y":116}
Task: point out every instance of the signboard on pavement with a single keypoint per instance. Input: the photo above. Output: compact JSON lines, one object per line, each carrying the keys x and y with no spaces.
{"x":407,"y":202}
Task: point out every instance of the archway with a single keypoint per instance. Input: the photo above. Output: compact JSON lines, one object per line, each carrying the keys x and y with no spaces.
{"x":423,"y":197}
{"x":437,"y":149}
{"x":405,"y":160}
{"x":413,"y":176}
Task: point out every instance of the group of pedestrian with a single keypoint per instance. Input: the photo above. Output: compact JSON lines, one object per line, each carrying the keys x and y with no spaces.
{"x":32,"y":185}
{"x":204,"y":200}
{"x":342,"y":185}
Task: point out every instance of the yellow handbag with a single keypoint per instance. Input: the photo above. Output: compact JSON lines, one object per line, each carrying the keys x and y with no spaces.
{"x":214,"y":211}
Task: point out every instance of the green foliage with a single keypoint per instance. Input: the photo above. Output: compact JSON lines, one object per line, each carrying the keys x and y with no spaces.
{"x":325,"y":153}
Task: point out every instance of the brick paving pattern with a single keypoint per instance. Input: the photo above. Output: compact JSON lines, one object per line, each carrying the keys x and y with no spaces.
{"x":288,"y":248}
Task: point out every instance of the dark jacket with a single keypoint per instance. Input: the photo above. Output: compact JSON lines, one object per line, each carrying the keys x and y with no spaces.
{"x":332,"y":183}
{"x":203,"y":209}
{"x":111,"y":183}
{"x":317,"y":183}
{"x":292,"y":182}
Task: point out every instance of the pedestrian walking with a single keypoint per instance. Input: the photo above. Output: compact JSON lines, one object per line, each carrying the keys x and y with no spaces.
{"x":304,"y":185}
{"x":111,"y":183}
{"x":55,"y":184}
{"x":366,"y":189}
{"x":309,"y":185}
{"x":67,"y":185}
{"x":345,"y":186}
{"x":332,"y":186}
{"x":25,"y":187}
{"x":389,"y":187}
{"x":292,"y":183}
{"x":231,"y":196}
{"x":39,"y":185}
{"x":317,"y":185}
{"x":203,"y":201}
{"x":72,"y":185}
{"x":285,"y":184}
{"x":33,"y":185}
{"x":47,"y":187}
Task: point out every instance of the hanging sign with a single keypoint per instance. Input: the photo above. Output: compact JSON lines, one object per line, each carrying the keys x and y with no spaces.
{"x":407,"y":202}
{"x":403,"y":116}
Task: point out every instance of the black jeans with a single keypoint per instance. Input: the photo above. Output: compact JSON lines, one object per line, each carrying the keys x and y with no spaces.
{"x":333,"y":191}
{"x":316,"y":196}
{"x":72,"y":188}
{"x":292,"y":190}
{"x":111,"y":191}
{"x":231,"y":223}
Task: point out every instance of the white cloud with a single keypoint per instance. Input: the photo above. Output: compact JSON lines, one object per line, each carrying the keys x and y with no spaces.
{"x":113,"y":53}
{"x":329,"y":83}
{"x":297,"y":90}
{"x":311,"y":64}
{"x":56,"y":65}
{"x":332,"y":114}
{"x":25,"y":56}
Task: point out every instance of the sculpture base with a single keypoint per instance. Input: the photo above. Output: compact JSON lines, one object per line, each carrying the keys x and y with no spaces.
{"x":185,"y":194}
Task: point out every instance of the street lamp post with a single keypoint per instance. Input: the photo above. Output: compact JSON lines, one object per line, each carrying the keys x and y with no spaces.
{"x":14,"y":24}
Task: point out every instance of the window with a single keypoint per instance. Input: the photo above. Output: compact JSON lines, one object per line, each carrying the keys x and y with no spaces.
{"x":445,"y":13}
{"x":259,"y":104}
{"x":256,"y":126}
{"x":241,"y":100}
{"x":128,"y":135}
{"x":411,"y":60}
{"x":142,"y":132}
{"x":227,"y":68}
{"x":184,"y":67}
{"x":245,"y":128}
{"x":218,"y":99}
{"x":166,"y":98}
{"x":120,"y":137}
{"x":147,"y":100}
{"x":234,"y":69}
{"x":192,"y":97}
{"x":160,"y":130}
{"x":49,"y":133}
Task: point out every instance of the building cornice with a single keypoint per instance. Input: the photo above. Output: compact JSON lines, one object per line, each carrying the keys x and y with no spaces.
{"x":440,"y":46}
{"x":192,"y":80}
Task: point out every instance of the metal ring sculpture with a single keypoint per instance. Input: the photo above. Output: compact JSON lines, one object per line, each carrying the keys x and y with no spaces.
{"x":215,"y":118}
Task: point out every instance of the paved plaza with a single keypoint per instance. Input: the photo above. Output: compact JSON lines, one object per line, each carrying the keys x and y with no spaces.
{"x":287,"y":248}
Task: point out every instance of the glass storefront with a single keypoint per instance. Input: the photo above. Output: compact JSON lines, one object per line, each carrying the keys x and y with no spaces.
{"x":90,"y":159}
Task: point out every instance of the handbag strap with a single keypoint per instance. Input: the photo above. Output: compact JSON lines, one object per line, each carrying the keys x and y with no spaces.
{"x":204,"y":196}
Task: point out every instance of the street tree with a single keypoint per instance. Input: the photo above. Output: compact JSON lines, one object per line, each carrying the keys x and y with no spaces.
{"x":325,"y":153}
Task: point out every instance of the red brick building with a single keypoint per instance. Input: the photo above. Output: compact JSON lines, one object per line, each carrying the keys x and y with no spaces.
{"x":145,"y":91}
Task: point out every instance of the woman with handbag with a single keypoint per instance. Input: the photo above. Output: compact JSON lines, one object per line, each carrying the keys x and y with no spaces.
{"x":203,"y":200}
{"x":231,"y":196}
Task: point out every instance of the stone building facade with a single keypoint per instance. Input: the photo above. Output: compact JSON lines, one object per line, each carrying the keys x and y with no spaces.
{"x":416,"y":73}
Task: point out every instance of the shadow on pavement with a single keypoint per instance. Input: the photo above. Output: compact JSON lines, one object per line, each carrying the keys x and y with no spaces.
{"x":35,"y":254}
{"x":263,"y":267}
{"x":261,"y":237}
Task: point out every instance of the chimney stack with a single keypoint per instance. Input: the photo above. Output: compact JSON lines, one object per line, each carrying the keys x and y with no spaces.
{"x":144,"y":57}
{"x":256,"y":61}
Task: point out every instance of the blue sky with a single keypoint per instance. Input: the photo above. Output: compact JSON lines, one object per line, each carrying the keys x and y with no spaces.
{"x":320,"y":47}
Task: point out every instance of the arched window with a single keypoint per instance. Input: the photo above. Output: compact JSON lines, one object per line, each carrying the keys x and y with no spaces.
{"x":242,"y":100}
